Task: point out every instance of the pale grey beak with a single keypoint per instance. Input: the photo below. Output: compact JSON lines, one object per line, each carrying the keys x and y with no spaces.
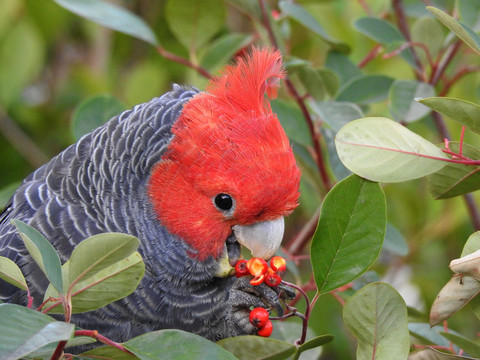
{"x":263,"y":238}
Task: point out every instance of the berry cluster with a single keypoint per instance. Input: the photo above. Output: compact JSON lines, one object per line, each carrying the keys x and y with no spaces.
{"x":261,"y":272}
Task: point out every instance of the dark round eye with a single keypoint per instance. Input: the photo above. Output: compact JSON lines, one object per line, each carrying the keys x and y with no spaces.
{"x":223,"y":202}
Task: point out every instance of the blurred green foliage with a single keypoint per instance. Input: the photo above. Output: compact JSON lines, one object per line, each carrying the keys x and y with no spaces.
{"x":52,"y":60}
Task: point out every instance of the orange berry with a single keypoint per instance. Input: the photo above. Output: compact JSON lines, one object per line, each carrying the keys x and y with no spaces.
{"x":279,"y":264}
{"x":257,"y":266}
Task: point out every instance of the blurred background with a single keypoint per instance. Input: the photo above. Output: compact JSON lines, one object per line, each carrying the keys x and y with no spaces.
{"x":52,"y":61}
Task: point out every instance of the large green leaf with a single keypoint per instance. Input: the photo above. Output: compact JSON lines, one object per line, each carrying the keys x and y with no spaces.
{"x":255,"y":347}
{"x":465,"y":112}
{"x":350,"y":232}
{"x":42,"y":252}
{"x":175,"y":345}
{"x":97,"y":253}
{"x":23,"y":331}
{"x":456,"y":179}
{"x":384,"y":33}
{"x":463,"y":31}
{"x":21,"y":59}
{"x":11,"y":273}
{"x":312,"y":82}
{"x":106,"y":353}
{"x":402,"y":104}
{"x":297,"y":12}
{"x":94,"y":112}
{"x":194,"y":23}
{"x":111,"y":16}
{"x":106,"y":286}
{"x":366,"y":89}
{"x":380,"y":149}
{"x":377,"y":315}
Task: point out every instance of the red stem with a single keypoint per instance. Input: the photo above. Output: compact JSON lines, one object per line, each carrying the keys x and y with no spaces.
{"x":372,"y":54}
{"x":179,"y":60}
{"x":308,"y":310}
{"x":301,"y":103}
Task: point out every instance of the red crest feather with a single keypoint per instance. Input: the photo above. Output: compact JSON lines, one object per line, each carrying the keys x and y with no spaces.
{"x":228,"y":141}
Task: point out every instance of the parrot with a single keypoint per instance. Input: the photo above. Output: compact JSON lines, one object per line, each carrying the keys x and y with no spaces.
{"x":195,"y":176}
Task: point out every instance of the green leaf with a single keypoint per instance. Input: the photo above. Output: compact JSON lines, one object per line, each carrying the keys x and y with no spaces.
{"x":11,"y":273}
{"x":402,"y":104}
{"x":255,"y":347}
{"x":342,"y":66}
{"x":94,"y":112}
{"x":395,"y":242}
{"x":429,"y":32}
{"x":456,"y":179}
{"x":108,"y":285}
{"x":336,"y":113}
{"x":350,"y":232}
{"x":315,"y":342}
{"x":175,"y":345}
{"x":472,"y":244}
{"x":428,"y":334}
{"x":97,"y":253}
{"x":380,"y":149}
{"x":469,"y":346}
{"x":366,"y":89}
{"x":298,"y":13}
{"x":377,"y":315}
{"x":42,"y":252}
{"x":463,"y":31}
{"x":432,"y":354}
{"x":292,"y":121}
{"x":111,"y":16}
{"x":470,"y":13}
{"x":330,"y":80}
{"x":21,"y":59}
{"x":6,"y":193}
{"x":384,"y":33}
{"x":23,"y":331}
{"x":462,"y":111}
{"x":312,"y":82}
{"x":223,"y":49}
{"x":106,"y":352}
{"x":194,"y":23}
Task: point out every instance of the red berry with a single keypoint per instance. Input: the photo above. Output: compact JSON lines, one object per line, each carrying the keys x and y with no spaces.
{"x":241,"y":268}
{"x":257,"y":266}
{"x":259,"y":317}
{"x":266,"y":331}
{"x":272,"y":280}
{"x":279,"y":264}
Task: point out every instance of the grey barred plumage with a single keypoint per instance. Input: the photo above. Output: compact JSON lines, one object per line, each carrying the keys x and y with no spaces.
{"x":100,"y":184}
{"x":83,"y":191}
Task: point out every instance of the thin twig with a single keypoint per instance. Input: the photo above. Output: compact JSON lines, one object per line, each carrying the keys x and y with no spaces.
{"x":403,"y":27}
{"x":21,"y":142}
{"x":179,"y":60}
{"x":297,"y":244}
{"x":472,"y":210}
{"x":445,"y":61}
{"x":301,"y":103}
